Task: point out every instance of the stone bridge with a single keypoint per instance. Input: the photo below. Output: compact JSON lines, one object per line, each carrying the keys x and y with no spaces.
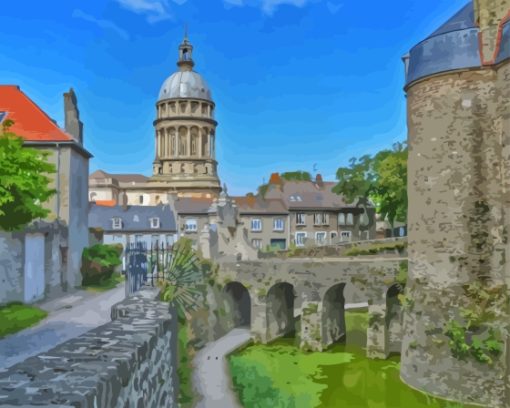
{"x":308,"y":297}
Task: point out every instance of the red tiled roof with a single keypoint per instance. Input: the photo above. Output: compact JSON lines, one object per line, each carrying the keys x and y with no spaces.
{"x":106,"y":203}
{"x":30,"y":121}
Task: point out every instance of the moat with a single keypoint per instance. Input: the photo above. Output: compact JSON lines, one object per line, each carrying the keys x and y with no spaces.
{"x":280,"y":375}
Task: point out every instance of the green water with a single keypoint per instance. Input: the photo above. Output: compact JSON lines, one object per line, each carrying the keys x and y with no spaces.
{"x":279,"y":375}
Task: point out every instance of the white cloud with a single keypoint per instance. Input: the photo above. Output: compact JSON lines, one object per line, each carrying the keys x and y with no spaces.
{"x":334,"y":8}
{"x":105,"y":24}
{"x":267,"y":6}
{"x":154,"y":10}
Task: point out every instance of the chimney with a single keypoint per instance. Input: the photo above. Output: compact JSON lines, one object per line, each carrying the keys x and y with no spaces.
{"x":73,"y":125}
{"x":275,"y":179}
{"x":124,"y":201}
{"x":318,"y":180}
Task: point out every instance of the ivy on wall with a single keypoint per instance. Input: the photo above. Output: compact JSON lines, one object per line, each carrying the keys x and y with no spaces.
{"x":480,"y":330}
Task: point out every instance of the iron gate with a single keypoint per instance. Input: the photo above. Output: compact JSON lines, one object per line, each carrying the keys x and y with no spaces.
{"x":146,"y":265}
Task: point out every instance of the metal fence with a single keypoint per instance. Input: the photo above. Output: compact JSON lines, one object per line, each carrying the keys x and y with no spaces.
{"x":146,"y":265}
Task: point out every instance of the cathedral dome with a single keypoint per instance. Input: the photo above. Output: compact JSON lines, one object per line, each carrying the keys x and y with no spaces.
{"x":185,"y":84}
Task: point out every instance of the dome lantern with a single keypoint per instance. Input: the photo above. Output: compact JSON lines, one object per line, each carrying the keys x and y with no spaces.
{"x":185,"y":62}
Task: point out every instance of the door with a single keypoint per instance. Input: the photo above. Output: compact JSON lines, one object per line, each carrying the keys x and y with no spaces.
{"x":34,"y":267}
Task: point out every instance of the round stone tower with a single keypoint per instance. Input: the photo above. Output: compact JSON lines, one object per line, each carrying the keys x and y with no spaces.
{"x":185,"y":132}
{"x":455,"y":342}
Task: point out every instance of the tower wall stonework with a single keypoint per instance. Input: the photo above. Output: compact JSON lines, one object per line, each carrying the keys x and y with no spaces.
{"x":459,"y":197}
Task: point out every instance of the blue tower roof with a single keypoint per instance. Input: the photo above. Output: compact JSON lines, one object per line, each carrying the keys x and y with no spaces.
{"x":452,"y":46}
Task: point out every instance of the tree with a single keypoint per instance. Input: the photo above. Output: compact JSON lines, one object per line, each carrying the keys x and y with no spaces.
{"x":381,"y":178}
{"x":356,"y":181}
{"x":391,"y":191}
{"x":24,"y":181}
{"x":184,"y":278}
{"x":296,"y":176}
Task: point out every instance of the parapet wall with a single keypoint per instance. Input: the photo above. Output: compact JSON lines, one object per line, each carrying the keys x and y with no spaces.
{"x":129,"y":362}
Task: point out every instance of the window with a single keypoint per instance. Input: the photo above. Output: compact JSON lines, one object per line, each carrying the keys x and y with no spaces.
{"x":350,"y":219}
{"x":138,"y":238}
{"x":140,"y":199}
{"x":256,"y":224}
{"x":155,"y":240}
{"x":300,"y":238}
{"x":278,"y":224}
{"x":190,"y":226}
{"x":321,"y":219}
{"x":333,"y":236}
{"x":256,"y":243}
{"x":320,"y":238}
{"x":345,"y":236}
{"x":93,"y":196}
{"x":116,"y":223}
{"x":154,"y":222}
{"x":341,"y":219}
{"x":169,"y":239}
{"x":300,"y":219}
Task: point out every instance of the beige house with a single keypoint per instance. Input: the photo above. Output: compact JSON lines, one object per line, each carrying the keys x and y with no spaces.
{"x":318,"y":216}
{"x":266,"y":222}
{"x":192,"y":216}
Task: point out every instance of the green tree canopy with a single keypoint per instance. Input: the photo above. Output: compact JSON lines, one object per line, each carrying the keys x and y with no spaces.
{"x":24,"y":181}
{"x":296,"y":176}
{"x":381,"y":178}
{"x":391,"y":190}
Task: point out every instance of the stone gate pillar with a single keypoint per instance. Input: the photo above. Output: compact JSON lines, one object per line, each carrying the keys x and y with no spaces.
{"x":258,"y":318}
{"x":377,"y":332}
{"x":311,"y":328}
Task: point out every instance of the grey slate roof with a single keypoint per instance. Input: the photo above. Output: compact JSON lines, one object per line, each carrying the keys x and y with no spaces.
{"x":135,"y":218}
{"x":452,"y":46}
{"x":256,"y":205}
{"x":307,"y":195}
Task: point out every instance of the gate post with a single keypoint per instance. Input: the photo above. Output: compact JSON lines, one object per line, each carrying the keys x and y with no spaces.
{"x":377,"y":332}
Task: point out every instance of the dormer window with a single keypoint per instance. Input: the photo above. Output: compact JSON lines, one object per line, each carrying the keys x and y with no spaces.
{"x":154,"y":222}
{"x":116,"y":223}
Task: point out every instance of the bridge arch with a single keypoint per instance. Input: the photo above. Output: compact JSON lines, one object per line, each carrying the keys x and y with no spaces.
{"x":280,"y":310}
{"x":333,"y":314}
{"x":239,"y":303}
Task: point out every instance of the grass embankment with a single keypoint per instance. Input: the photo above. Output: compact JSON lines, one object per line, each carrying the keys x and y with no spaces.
{"x":279,"y":375}
{"x":375,"y":249}
{"x":105,"y":284}
{"x":184,"y":368}
{"x":17,"y":316}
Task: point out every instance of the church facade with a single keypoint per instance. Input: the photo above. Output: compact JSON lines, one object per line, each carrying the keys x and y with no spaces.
{"x":185,"y":136}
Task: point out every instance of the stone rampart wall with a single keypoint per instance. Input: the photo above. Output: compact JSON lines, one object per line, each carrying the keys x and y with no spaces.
{"x":129,"y":362}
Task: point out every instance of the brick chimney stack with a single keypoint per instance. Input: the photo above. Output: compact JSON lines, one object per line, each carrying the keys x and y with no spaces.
{"x":318,"y":180}
{"x":73,"y":125}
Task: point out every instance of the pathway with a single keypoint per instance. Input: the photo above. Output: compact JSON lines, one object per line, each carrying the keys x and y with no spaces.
{"x":69,"y":317}
{"x":211,"y":378}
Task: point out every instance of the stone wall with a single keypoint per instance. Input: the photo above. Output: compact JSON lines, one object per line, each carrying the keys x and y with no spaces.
{"x":129,"y":362}
{"x":12,"y":261}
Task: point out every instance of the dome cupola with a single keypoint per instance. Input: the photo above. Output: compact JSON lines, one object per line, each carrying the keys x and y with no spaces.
{"x":185,"y":83}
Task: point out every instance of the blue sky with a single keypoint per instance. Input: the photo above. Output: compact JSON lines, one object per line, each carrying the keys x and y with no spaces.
{"x":297,"y":83}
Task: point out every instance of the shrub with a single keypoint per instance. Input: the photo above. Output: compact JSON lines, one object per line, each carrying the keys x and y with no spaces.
{"x":99,"y":262}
